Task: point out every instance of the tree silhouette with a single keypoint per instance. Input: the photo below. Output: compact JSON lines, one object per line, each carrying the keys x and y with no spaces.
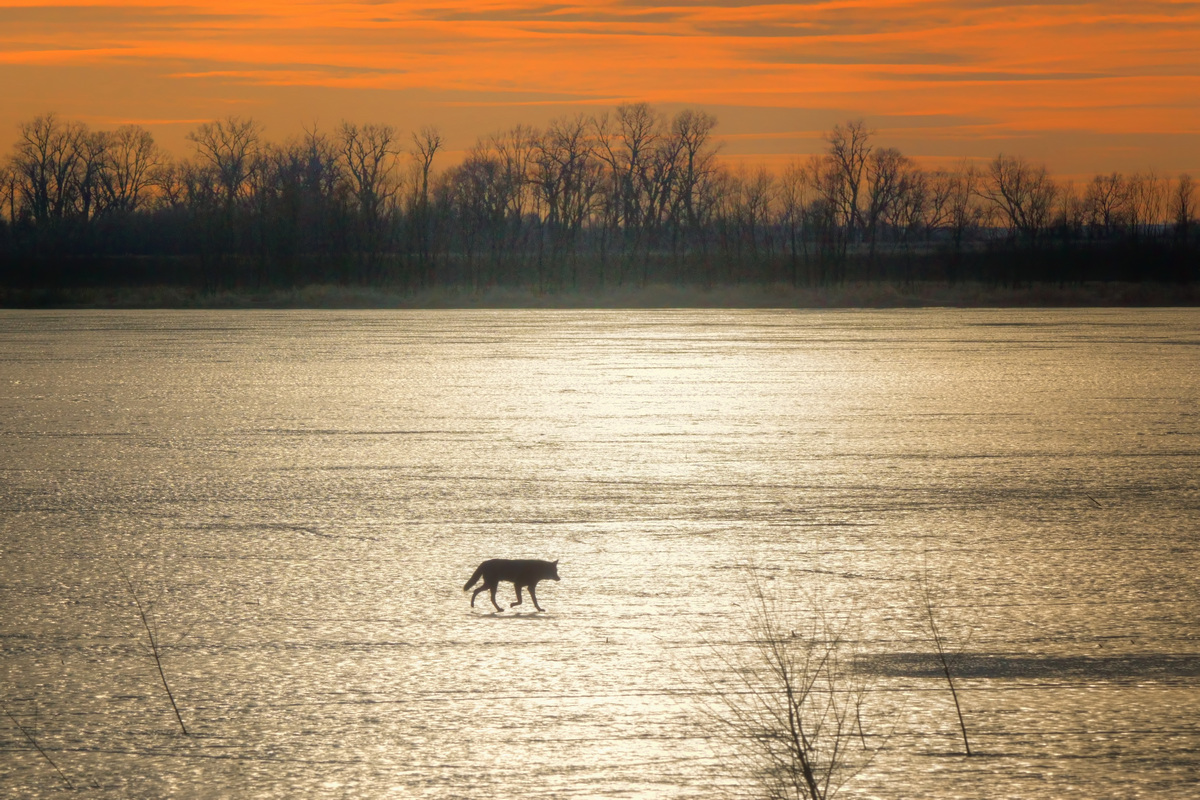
{"x":1183,"y":206}
{"x":849,"y":149}
{"x":630,"y":195}
{"x":426,"y":144}
{"x":1024,"y":195}
{"x":132,"y":168}
{"x":46,"y":165}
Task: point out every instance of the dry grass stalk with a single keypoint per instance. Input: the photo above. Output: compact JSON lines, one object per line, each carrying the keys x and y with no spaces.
{"x":945,"y":660}
{"x":154,"y":650}
{"x":38,"y":747}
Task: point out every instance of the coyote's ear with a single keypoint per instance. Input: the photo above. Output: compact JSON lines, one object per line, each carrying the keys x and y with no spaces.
{"x":556,"y":562}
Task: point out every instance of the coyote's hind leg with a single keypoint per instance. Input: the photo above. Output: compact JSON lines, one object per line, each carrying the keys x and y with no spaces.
{"x":519,"y":600}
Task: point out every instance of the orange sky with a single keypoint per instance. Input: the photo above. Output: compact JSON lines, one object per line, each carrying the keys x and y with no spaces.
{"x":1083,"y":86}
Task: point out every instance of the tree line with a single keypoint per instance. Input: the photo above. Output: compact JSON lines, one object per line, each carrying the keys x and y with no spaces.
{"x":629,"y":196}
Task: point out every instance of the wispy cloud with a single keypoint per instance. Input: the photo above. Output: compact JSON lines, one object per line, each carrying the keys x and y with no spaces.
{"x":1103,"y":66}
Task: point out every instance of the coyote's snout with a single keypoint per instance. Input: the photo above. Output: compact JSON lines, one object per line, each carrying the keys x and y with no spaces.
{"x":519,"y":572}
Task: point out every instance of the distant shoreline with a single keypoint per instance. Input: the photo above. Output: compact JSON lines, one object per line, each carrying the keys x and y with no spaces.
{"x":849,"y":295}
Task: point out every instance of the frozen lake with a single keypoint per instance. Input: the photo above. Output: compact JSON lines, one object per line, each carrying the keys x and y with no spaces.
{"x":299,"y":497}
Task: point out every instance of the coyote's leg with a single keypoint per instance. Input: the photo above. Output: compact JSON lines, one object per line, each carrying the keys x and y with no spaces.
{"x":519,"y":600}
{"x":482,"y":588}
{"x":533,"y":596}
{"x":493,"y":592}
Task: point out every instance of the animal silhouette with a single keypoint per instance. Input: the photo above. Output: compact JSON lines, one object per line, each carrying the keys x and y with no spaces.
{"x":521,"y":573}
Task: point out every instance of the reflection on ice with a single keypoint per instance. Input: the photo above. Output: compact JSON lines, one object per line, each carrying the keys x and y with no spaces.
{"x":301,"y":498}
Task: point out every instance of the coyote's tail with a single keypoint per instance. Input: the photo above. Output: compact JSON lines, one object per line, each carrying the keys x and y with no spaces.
{"x":474,"y":577}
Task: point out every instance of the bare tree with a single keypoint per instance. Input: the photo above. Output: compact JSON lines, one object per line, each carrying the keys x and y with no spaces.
{"x":849,"y":149}
{"x":220,"y":181}
{"x":758,"y":201}
{"x":426,"y":144}
{"x":133,"y":165}
{"x":906,"y":214}
{"x":1107,"y":203}
{"x":171,"y":186}
{"x":367,"y":155}
{"x":627,"y":154}
{"x":568,"y":176}
{"x":298,"y":205}
{"x":1147,"y":201}
{"x":625,"y":143}
{"x":46,"y":165}
{"x":1022,"y":193}
{"x":1183,"y":205}
{"x":8,"y":192}
{"x":692,"y":129}
{"x":516,"y":150}
{"x":1072,"y":214}
{"x":889,"y":176}
{"x":368,"y":160}
{"x":726,"y":191}
{"x":230,"y":147}
{"x":323,"y":192}
{"x":92,"y":147}
{"x":516,"y":153}
{"x":795,"y":199}
{"x":951,"y":208}
{"x":478,"y":195}
{"x":826,"y":217}
{"x":965,"y":214}
{"x":661,"y":190}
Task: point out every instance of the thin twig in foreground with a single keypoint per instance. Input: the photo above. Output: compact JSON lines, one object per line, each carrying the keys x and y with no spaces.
{"x":154,"y":650}
{"x":940,"y":645}
{"x":38,"y":747}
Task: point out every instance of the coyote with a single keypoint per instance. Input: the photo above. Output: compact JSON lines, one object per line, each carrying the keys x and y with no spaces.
{"x":519,"y":572}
